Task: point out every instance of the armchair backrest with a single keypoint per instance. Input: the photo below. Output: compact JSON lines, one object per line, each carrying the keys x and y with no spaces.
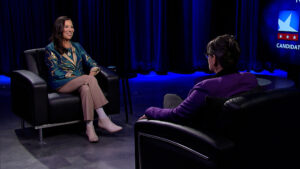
{"x":264,"y":128}
{"x":258,"y":130}
{"x":35,"y":62}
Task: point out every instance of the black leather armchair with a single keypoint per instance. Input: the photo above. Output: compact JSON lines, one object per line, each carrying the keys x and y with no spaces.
{"x":257,"y":130}
{"x":33,"y":102}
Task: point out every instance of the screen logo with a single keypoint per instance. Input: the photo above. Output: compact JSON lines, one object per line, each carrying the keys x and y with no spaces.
{"x":288,"y":25}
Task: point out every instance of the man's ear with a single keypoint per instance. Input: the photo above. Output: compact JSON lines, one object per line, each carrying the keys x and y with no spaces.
{"x":214,"y":60}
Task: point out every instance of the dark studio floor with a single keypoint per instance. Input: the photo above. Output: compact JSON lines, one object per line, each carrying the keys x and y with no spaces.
{"x":67,"y":146}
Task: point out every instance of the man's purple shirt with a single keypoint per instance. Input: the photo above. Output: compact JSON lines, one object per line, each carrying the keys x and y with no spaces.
{"x":224,"y":86}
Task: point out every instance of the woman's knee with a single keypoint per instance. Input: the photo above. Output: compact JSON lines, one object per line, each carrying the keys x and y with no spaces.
{"x":171,"y":96}
{"x":84,"y":76}
{"x":83,"y":79}
{"x":171,"y":100}
{"x":88,"y":79}
{"x":92,"y":79}
{"x":84,"y":89}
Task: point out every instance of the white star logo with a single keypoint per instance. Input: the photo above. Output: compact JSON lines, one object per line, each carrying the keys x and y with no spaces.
{"x":286,"y":25}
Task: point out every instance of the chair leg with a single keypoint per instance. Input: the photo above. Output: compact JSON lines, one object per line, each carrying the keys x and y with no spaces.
{"x":41,"y":136}
{"x":22,"y":124}
{"x":125,"y":99}
{"x":129,"y":96}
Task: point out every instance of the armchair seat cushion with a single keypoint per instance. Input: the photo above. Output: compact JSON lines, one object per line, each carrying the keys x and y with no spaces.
{"x":64,"y":107}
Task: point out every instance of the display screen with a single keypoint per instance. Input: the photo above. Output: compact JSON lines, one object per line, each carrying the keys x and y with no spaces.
{"x":279,"y":31}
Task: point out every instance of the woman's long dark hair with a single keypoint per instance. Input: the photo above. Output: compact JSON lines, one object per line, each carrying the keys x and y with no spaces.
{"x":57,"y":33}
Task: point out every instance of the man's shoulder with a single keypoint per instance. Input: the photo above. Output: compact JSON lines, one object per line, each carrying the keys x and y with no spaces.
{"x":215,"y":81}
{"x":238,"y":75}
{"x":207,"y":83}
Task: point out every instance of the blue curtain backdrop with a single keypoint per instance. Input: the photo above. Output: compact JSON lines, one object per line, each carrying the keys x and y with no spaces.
{"x":168,"y":35}
{"x":26,"y":24}
{"x":247,"y":31}
{"x":134,"y":35}
{"x":23,"y":25}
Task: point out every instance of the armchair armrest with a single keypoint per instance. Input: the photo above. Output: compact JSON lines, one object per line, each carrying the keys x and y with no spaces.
{"x":29,"y":97}
{"x":108,"y":79}
{"x":157,"y":140}
{"x":109,"y":83}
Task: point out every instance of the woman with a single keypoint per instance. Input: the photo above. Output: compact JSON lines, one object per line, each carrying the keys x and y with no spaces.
{"x":223,"y":55}
{"x":65,"y":59}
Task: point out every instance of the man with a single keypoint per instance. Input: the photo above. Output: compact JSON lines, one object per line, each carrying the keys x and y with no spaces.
{"x":222,"y":54}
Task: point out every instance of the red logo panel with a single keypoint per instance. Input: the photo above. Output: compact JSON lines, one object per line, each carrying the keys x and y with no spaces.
{"x":288,"y":36}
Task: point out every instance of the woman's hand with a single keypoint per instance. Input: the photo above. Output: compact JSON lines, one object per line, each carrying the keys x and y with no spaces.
{"x":93,"y":73}
{"x":143,"y":117}
{"x":69,"y":74}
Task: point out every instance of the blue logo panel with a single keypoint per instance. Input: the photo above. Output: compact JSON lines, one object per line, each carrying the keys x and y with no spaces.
{"x":288,"y":21}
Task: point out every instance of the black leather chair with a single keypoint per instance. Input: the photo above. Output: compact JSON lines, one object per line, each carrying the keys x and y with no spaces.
{"x":33,"y":102}
{"x":257,"y":130}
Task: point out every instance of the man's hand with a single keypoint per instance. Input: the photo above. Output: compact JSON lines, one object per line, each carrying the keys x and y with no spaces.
{"x":143,"y":117}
